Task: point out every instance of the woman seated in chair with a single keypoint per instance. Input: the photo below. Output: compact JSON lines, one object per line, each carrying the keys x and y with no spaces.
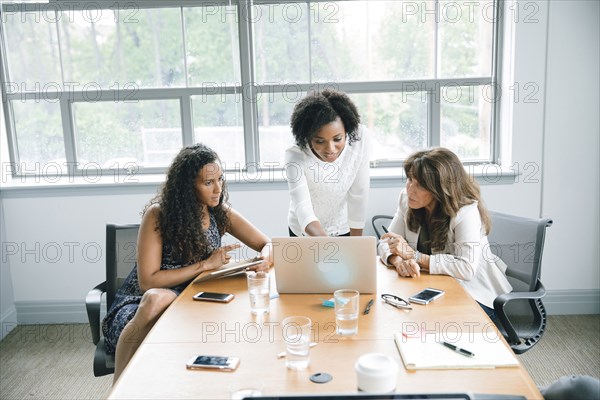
{"x":441,"y":227}
{"x":179,"y":237}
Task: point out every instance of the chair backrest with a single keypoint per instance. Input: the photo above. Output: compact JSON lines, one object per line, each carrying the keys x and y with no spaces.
{"x":378,"y":221}
{"x":121,"y":256}
{"x":519,"y":242}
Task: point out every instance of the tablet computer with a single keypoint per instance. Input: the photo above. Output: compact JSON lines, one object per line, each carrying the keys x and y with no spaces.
{"x":228,"y":270}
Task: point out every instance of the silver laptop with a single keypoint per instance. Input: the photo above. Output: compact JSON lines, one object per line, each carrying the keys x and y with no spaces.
{"x":325,"y":264}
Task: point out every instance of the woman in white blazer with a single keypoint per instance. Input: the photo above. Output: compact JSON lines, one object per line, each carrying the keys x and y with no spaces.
{"x":441,"y":227}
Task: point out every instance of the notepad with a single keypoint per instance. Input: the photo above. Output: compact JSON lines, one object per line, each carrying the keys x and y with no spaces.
{"x":228,"y":270}
{"x":425,"y":351}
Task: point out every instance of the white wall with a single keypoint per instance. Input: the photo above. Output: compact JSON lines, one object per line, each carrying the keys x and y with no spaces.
{"x":554,"y":142}
{"x":8,"y":314}
{"x":571,"y":146}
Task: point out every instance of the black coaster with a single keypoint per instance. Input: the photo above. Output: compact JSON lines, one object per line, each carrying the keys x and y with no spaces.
{"x":321,"y":377}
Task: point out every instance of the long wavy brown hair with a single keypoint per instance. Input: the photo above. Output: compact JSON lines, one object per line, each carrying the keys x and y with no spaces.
{"x":180,"y":217}
{"x":441,"y":173}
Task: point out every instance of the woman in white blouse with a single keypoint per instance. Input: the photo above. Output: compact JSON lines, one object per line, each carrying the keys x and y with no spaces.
{"x":328,"y":168}
{"x":441,"y":227}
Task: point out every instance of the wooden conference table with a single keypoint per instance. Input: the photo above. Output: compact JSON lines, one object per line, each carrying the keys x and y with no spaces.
{"x":189,"y":328}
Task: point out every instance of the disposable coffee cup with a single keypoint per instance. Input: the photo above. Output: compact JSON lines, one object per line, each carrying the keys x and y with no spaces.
{"x":376,"y":373}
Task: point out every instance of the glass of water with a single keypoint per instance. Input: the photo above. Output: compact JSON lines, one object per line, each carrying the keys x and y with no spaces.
{"x":346,"y":311}
{"x":259,"y":290}
{"x":297,"y":335}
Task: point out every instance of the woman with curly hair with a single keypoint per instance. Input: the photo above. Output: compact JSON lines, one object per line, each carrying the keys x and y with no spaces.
{"x":179,"y":237}
{"x":441,"y":227}
{"x":328,"y":168}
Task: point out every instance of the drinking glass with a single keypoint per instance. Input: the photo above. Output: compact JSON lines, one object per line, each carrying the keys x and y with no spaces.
{"x":296,"y":333}
{"x":259,"y":291}
{"x":346,"y":311}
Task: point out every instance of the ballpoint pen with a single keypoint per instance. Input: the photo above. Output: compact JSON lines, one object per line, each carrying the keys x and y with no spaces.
{"x":368,"y":307}
{"x":385,"y":229}
{"x":457,"y":349}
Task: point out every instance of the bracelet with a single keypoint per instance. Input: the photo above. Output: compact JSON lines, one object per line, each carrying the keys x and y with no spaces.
{"x":417,"y":256}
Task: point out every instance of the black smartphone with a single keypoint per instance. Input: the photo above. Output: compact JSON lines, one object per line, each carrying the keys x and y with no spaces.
{"x":213,"y":296}
{"x":222,"y":363}
{"x":426,"y":296}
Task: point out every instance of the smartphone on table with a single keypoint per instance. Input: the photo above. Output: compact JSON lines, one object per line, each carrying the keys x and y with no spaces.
{"x":213,"y":296}
{"x":426,"y":296}
{"x":222,"y":363}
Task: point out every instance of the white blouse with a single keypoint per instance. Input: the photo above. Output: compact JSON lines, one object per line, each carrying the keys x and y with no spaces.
{"x":334,"y":193}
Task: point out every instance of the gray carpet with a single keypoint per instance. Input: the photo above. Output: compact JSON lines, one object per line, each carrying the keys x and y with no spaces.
{"x":570,"y":346}
{"x":55,"y":361}
{"x":50,"y":362}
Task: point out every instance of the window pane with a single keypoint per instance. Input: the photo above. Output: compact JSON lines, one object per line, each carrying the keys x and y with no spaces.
{"x":32,"y":51}
{"x":397,"y":122}
{"x":112,"y":48}
{"x":370,"y":40}
{"x":465,"y":38}
{"x":466,"y":121}
{"x":281,"y":43}
{"x":212,"y":45}
{"x":275,"y":134}
{"x":40,"y":142}
{"x":218,"y":123}
{"x":146,"y":133}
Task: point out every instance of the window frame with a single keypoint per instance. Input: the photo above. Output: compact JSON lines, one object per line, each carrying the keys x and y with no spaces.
{"x":247,"y":88}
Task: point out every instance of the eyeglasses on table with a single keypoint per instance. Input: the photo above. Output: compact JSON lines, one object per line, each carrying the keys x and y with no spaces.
{"x":396,"y":301}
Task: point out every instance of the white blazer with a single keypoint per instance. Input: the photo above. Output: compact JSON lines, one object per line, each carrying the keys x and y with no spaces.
{"x":466,"y":257}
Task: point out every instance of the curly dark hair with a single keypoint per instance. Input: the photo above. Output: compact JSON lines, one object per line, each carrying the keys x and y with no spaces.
{"x":321,"y":108}
{"x":180,"y":218}
{"x":440,"y":172}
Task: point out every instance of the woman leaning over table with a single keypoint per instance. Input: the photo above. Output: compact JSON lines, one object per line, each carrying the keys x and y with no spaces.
{"x":179,"y":237}
{"x":328,"y":168}
{"x":441,"y":227}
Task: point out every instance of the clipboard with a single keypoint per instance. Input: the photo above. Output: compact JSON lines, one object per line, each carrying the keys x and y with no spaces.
{"x":228,"y":270}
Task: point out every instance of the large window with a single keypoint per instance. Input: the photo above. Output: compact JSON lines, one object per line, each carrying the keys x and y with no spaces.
{"x":122,"y":85}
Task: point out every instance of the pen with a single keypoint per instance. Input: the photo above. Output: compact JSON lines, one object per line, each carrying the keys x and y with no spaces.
{"x":368,"y":307}
{"x":385,"y":229}
{"x":458,"y":349}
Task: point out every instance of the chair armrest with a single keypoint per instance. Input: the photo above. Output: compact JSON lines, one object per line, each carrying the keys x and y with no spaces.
{"x":505,"y":298}
{"x":501,"y":301}
{"x":521,"y":276}
{"x":92,"y":305}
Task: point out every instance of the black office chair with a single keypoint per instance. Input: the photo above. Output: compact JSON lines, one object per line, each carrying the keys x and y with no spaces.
{"x":121,"y":247}
{"x":519,"y":242}
{"x":378,"y":221}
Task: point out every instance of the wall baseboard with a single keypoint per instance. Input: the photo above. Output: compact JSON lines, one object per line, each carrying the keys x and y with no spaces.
{"x":557,"y":302}
{"x":51,"y":312}
{"x":8,"y":321}
{"x":561,"y":302}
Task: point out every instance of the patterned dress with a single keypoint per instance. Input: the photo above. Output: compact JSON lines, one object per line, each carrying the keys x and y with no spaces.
{"x":129,"y":296}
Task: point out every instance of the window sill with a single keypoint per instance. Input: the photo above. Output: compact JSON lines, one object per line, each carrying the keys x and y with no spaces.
{"x":39,"y":186}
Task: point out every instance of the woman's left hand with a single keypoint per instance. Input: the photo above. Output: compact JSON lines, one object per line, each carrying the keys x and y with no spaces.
{"x":267,"y":256}
{"x":408,"y":268}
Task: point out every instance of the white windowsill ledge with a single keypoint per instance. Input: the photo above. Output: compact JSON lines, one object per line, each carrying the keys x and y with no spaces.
{"x":113,"y":183}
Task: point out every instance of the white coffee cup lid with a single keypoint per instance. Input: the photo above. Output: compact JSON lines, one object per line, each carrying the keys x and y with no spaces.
{"x":376,"y":363}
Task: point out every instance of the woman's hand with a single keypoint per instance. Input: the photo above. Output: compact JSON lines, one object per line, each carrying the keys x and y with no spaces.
{"x":406,"y":268}
{"x":399,"y":246}
{"x":266,"y":256}
{"x":219,"y":257}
